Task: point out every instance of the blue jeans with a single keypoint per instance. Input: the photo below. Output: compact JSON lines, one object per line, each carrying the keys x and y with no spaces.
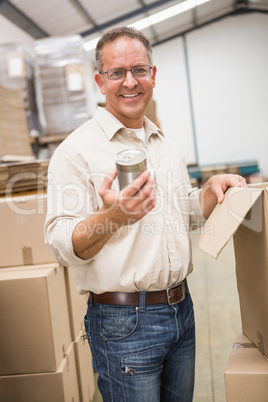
{"x":144,"y":353}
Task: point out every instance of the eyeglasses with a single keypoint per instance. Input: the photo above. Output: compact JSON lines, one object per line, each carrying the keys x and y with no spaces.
{"x":120,"y":73}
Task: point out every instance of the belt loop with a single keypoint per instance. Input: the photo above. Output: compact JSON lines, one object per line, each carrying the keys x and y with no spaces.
{"x":142,"y":302}
{"x":89,"y":302}
{"x":186,"y":286}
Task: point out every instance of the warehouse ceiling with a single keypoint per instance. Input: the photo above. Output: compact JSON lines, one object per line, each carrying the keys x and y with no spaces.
{"x":91,"y":17}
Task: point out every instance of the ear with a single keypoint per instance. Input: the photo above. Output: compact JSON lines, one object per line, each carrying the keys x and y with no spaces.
{"x":153,"y":75}
{"x":98,"y":79}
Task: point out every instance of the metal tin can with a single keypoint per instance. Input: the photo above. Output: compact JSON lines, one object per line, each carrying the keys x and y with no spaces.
{"x":130,"y":163}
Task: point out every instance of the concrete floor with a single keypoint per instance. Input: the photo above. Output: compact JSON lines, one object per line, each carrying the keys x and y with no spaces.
{"x":214,"y":293}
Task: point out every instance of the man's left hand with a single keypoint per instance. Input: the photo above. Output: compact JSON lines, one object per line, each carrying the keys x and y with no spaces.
{"x":214,"y":189}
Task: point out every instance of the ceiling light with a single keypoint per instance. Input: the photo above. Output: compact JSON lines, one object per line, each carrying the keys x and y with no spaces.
{"x":155,"y":18}
{"x":167,"y":13}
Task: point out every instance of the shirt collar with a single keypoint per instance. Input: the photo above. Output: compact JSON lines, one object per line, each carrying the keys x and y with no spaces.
{"x":111,"y":125}
{"x":151,"y":128}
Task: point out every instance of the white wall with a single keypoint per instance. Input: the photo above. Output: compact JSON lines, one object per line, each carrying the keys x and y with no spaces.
{"x":172,"y":96}
{"x":228,"y":64}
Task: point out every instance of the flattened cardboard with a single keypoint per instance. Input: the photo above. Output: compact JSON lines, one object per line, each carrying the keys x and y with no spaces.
{"x":22,"y":231}
{"x":251,"y":254}
{"x":84,"y":366}
{"x":60,"y":386}
{"x":246,"y":374}
{"x":226,"y":218}
{"x":35,"y":329}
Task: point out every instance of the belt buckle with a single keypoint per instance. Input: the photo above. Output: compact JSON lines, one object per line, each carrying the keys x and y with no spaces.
{"x":183,"y":291}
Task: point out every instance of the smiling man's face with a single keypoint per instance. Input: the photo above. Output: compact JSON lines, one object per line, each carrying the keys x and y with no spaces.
{"x":126,"y":98}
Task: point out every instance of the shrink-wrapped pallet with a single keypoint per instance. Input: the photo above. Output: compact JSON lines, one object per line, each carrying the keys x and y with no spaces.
{"x":18,"y":111}
{"x":62,"y":71}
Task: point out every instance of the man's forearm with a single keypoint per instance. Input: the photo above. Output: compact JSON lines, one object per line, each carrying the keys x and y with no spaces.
{"x":208,"y":200}
{"x":91,"y":234}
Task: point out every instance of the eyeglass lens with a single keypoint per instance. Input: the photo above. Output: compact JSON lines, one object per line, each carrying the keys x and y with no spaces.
{"x":119,"y":73}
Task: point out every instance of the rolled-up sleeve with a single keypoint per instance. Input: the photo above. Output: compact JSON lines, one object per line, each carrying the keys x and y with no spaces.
{"x":196,"y":217}
{"x":69,"y":200}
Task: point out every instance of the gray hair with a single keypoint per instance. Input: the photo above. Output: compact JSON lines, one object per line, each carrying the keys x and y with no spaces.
{"x":116,"y":33}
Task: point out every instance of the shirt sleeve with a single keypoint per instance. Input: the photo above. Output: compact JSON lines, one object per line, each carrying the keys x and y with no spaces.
{"x":70,"y":199}
{"x":196,"y":217}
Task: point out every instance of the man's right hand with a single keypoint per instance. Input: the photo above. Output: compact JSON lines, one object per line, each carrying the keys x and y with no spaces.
{"x":119,"y":208}
{"x":130,"y":204}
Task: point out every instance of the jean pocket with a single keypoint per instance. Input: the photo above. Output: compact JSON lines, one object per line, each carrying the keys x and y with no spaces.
{"x":143,"y":363}
{"x":141,"y":375}
{"x":118,"y":323}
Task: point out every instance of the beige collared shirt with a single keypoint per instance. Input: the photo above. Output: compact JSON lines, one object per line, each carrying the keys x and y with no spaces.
{"x":152,"y":254}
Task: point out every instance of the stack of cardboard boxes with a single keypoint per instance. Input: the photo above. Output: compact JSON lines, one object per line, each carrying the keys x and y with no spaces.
{"x":19,"y":116}
{"x":14,"y":133}
{"x":43,"y":356}
{"x":18,"y":177}
{"x":244,"y":214}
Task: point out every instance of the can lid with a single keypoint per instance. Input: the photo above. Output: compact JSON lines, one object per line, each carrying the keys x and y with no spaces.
{"x":130,"y":157}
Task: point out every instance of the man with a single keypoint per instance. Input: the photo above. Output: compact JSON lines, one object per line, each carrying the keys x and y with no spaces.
{"x":130,"y":249}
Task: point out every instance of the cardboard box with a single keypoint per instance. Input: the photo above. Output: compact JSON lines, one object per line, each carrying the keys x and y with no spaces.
{"x":22,"y":231}
{"x":35,"y":328}
{"x":246,"y":374}
{"x":84,"y":366}
{"x":60,"y":386}
{"x":77,"y":304}
{"x":244,"y":213}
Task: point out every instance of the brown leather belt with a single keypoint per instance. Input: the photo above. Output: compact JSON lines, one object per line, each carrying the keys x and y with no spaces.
{"x":172,"y":296}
